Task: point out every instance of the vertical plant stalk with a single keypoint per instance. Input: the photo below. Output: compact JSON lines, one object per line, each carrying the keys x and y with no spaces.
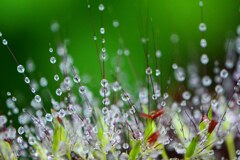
{"x":164,"y":154}
{"x":230,"y":146}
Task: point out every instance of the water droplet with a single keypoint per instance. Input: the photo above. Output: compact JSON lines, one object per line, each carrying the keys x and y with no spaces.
{"x":76,"y":79}
{"x":125,"y":97}
{"x":126,"y":52}
{"x":101,"y":7}
{"x":61,"y":113}
{"x":158,"y":54}
{"x":103,"y":40}
{"x":50,"y":50}
{"x":148,"y":71}
{"x":3,"y":120}
{"x":94,"y":38}
{"x":59,"y":92}
{"x":104,"y":110}
{"x":81,"y":89}
{"x":203,"y":43}
{"x":9,"y":93}
{"x":115,"y":23}
{"x":70,"y":109}
{"x":103,"y":49}
{"x":154,"y":97}
{"x":124,"y":156}
{"x":211,"y":152}
{"x":104,"y":56}
{"x":102,"y":30}
{"x":132,"y":110}
{"x":158,"y":72}
{"x":105,"y":91}
{"x":219,"y":89}
{"x":27,"y":80}
{"x":180,"y":74}
{"x":31,"y":140}
{"x":116,"y":86}
{"x":20,"y":69}
{"x":104,"y":83}
{"x":61,"y":50}
{"x":30,"y":66}
{"x":48,"y":117}
{"x":43,"y":82}
{"x":37,"y":98}
{"x":106,"y":101}
{"x":125,"y":145}
{"x":53,"y":60}
{"x":238,"y":152}
{"x":186,"y":95}
{"x":55,"y":27}
{"x":21,"y":130}
{"x":56,"y":77}
{"x":229,"y":63}
{"x":174,"y":66}
{"x":238,"y":30}
{"x":0,"y":34}
{"x":224,"y":73}
{"x":204,"y":59}
{"x":14,"y":99}
{"x":238,"y":102}
{"x":202,"y":27}
{"x":20,"y":140}
{"x":157,"y":93}
{"x":166,"y":142}
{"x":5,"y":42}
{"x":206,"y":81}
{"x":165,"y":96}
{"x":174,"y":38}
{"x":214,"y":103}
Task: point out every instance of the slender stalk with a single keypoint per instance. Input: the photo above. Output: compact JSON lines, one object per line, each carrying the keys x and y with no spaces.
{"x":230,"y":146}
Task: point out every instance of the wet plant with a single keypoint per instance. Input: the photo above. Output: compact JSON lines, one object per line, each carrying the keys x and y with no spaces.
{"x":198,"y":120}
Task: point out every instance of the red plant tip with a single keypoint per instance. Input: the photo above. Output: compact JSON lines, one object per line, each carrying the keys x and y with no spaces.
{"x":59,"y":119}
{"x":8,"y":140}
{"x":212,"y":125}
{"x":157,"y":113}
{"x":153,"y":137}
{"x":144,"y":115}
{"x":152,"y":115}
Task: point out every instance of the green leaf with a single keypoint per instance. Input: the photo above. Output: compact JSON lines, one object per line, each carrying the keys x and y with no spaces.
{"x":60,"y":135}
{"x":210,"y":113}
{"x":40,"y":150}
{"x":162,"y":148}
{"x":192,"y":146}
{"x":150,"y":125}
{"x":150,"y":128}
{"x":6,"y":151}
{"x":145,"y":109}
{"x":135,"y":151}
{"x":102,"y":127}
{"x":202,"y":125}
{"x":180,"y":127}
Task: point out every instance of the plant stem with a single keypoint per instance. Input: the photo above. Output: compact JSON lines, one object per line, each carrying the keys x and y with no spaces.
{"x":230,"y":146}
{"x":185,"y":157}
{"x":164,"y":154}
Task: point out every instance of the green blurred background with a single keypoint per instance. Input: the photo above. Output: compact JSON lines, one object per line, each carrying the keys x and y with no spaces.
{"x":26,"y":26}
